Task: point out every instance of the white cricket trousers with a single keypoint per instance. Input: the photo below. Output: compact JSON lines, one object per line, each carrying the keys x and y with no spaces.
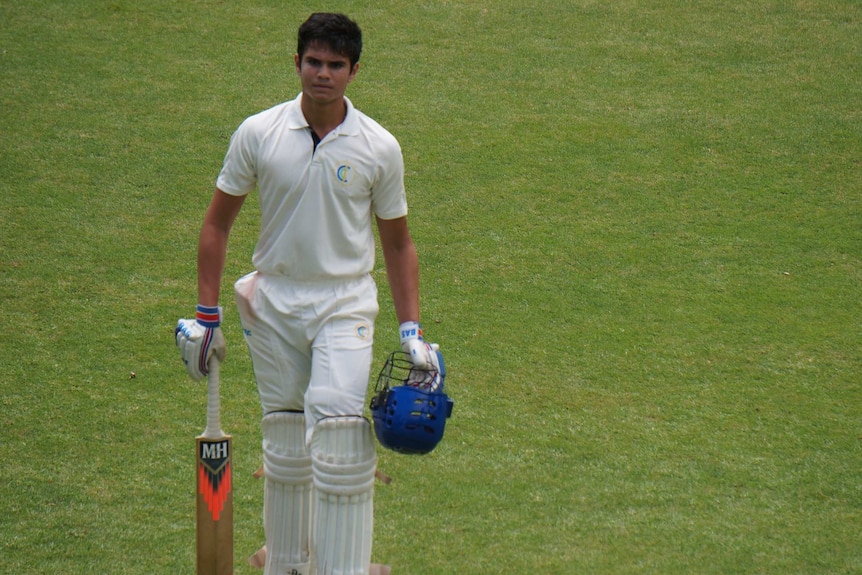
{"x":310,"y":342}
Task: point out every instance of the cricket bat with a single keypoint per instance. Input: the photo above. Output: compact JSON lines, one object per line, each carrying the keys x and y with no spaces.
{"x":214,"y":491}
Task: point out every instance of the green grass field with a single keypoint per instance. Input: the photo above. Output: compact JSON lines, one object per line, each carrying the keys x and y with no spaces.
{"x":640,"y":227}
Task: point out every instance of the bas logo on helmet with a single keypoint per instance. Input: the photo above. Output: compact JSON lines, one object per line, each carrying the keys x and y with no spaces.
{"x":344,"y":173}
{"x":409,"y":407}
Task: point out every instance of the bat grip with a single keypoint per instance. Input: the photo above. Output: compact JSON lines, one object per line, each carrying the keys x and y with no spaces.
{"x":213,"y":429}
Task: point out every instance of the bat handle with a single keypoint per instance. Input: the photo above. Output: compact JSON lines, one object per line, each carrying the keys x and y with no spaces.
{"x":213,"y":428}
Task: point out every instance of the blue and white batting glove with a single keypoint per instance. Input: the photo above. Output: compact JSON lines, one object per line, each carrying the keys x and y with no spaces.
{"x":199,"y":339}
{"x":428,"y":372}
{"x":422,"y":354}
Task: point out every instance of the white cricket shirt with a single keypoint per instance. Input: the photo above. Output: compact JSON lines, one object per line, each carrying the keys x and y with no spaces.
{"x":316,"y":205}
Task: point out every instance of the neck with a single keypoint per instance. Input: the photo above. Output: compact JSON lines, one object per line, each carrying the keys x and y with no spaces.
{"x":323,"y":117}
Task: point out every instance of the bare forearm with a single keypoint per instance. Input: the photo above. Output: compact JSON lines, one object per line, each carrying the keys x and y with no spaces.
{"x":212,"y":245}
{"x":402,"y":268}
{"x":212,"y":249}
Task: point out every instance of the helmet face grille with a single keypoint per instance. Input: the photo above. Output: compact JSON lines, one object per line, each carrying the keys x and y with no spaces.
{"x":399,"y":370}
{"x":395,"y":371}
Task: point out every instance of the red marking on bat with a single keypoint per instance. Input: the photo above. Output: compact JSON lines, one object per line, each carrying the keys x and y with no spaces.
{"x":215,"y":488}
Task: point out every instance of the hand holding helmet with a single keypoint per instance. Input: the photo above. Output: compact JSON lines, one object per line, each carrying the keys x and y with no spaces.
{"x":422,"y":354}
{"x":409,"y":407}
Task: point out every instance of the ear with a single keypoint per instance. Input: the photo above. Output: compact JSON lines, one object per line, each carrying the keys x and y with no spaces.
{"x":353,"y":73}
{"x":296,"y":62}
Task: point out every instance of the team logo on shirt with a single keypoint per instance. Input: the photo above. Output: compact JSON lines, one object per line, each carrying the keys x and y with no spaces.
{"x":344,"y":173}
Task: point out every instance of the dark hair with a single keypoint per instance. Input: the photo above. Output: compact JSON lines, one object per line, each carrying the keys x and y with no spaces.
{"x":336,"y":31}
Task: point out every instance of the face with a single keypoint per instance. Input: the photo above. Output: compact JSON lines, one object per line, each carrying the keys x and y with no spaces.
{"x":324,"y":74}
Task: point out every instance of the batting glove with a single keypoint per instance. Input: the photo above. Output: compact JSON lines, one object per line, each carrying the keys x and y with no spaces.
{"x":421,"y":354}
{"x":199,"y":339}
{"x":428,"y":379}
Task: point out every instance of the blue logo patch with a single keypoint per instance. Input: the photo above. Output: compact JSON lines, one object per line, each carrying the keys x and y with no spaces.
{"x":363,"y":331}
{"x":344,"y":173}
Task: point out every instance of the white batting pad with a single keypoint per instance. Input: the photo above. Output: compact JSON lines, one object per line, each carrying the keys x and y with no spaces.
{"x":343,"y":460}
{"x":288,"y":494}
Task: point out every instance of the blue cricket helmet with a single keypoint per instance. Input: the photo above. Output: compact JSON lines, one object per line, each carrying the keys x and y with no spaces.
{"x":409,"y":407}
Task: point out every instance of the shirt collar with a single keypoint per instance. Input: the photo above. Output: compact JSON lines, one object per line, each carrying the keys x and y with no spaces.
{"x":349,"y":127}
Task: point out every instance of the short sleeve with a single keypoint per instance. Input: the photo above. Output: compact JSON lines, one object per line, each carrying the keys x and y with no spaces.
{"x":238,"y":175}
{"x":389,"y":199}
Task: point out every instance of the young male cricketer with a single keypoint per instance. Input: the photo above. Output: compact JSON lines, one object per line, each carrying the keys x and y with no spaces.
{"x":322,"y":169}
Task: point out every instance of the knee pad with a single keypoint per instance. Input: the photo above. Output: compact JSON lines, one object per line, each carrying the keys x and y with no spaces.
{"x":288,"y":493}
{"x":343,"y":460}
{"x":286,"y":458}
